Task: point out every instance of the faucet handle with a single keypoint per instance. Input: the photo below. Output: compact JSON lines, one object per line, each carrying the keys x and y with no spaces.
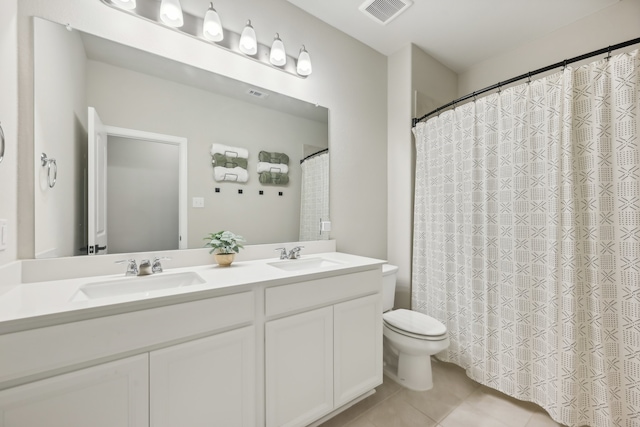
{"x":157,"y":265}
{"x":132,"y":267}
{"x":295,"y":252}
{"x":283,"y":252}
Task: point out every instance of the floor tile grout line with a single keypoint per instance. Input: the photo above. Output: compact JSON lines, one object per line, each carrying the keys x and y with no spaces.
{"x":374,"y":406}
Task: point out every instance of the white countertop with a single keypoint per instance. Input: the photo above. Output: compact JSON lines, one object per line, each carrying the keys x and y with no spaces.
{"x":33,"y":305}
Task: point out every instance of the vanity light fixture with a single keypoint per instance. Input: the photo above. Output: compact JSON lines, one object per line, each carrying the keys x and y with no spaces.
{"x":212,"y":27}
{"x":277,"y":56}
{"x":171,"y":13}
{"x":208,"y":28}
{"x":125,"y":4}
{"x":304,"y":63}
{"x":248,"y":42}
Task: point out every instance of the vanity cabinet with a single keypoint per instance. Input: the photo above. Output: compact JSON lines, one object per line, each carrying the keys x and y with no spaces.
{"x":194,"y":366}
{"x":321,"y":359}
{"x":357,"y":326}
{"x":276,"y":353}
{"x":113,"y":394}
{"x":299,"y":368}
{"x":206,"y":382}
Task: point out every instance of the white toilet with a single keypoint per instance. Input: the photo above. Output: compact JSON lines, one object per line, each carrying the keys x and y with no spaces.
{"x":410,"y":338}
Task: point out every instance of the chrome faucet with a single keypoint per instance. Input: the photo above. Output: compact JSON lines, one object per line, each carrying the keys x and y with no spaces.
{"x":157,"y":266}
{"x":295,"y":252}
{"x":132,"y":267}
{"x":283,"y":253}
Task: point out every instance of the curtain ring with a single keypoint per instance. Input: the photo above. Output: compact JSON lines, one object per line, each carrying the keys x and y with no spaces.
{"x":608,"y":53}
{"x":529,"y":78}
{"x":2,"y":144}
{"x":474,"y":96}
{"x":499,"y":88}
{"x":50,"y":164}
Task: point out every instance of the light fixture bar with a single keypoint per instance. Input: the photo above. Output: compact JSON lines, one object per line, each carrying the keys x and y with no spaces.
{"x":193,"y":26}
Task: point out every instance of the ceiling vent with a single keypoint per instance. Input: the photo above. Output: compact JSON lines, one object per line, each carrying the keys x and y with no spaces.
{"x":384,"y":11}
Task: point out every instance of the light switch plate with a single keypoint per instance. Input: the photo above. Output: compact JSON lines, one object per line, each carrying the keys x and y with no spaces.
{"x":198,"y":202}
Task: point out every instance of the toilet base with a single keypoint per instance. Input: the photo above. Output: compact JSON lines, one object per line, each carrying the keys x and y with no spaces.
{"x":412,"y":372}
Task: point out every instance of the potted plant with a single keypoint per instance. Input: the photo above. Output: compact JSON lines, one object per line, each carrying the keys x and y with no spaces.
{"x":225,"y":244}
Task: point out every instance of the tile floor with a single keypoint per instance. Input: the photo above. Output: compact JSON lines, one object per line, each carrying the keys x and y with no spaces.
{"x":454,"y":401}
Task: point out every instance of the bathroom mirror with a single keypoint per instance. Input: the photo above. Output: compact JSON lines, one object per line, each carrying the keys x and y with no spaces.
{"x":137,"y":93}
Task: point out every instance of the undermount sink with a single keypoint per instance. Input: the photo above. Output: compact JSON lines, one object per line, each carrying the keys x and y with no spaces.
{"x":304,"y":264}
{"x":135,"y":285}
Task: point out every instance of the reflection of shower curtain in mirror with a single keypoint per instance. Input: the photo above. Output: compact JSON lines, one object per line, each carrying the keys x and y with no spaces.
{"x":314,"y":200}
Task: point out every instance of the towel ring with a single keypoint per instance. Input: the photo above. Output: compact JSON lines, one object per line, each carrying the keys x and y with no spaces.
{"x":2,"y":144}
{"x":49,"y":163}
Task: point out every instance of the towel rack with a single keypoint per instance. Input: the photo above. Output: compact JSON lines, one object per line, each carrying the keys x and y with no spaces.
{"x":50,"y":164}
{"x":2,"y":144}
{"x":229,"y":153}
{"x":230,"y":177}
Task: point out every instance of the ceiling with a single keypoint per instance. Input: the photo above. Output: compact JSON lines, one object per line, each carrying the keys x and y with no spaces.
{"x":457,"y":33}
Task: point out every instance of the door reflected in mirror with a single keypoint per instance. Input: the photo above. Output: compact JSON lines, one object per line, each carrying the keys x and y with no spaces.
{"x":136,"y":90}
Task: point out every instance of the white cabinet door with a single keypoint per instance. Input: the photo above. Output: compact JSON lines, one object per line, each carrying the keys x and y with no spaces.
{"x":206,"y":382}
{"x":358,"y":347}
{"x":110,"y":395}
{"x":299,"y":368}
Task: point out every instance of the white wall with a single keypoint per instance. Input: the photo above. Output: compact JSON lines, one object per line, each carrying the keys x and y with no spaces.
{"x":349,"y":78}
{"x":399,"y":164}
{"x":614,"y":24}
{"x":9,"y":121}
{"x":59,"y":131}
{"x":128,"y":99}
{"x":410,"y":70}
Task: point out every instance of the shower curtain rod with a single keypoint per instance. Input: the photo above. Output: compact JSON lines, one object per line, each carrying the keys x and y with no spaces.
{"x":317,"y":153}
{"x":499,"y":85}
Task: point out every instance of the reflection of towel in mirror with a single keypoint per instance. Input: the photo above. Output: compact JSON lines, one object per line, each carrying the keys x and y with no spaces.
{"x":265,"y":156}
{"x":228,"y":162}
{"x":236,"y":174}
{"x":274,"y":178}
{"x":229,"y":151}
{"x":272,"y":167}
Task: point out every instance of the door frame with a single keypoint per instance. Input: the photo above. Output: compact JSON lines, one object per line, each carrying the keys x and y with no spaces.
{"x":181,"y":143}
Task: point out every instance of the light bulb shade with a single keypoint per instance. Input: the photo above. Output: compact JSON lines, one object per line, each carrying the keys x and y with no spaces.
{"x":248,"y":42}
{"x":304,"y":63}
{"x":171,"y":13}
{"x":278,"y":55}
{"x":212,"y":28}
{"x":125,"y":4}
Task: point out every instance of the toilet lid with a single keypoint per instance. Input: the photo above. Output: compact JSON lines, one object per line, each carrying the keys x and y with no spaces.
{"x":414,"y":322}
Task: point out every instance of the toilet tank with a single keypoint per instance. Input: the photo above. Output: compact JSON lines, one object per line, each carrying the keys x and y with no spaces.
{"x":388,"y":286}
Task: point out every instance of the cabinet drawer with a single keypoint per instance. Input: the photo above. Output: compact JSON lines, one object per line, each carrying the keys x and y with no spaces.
{"x":46,"y":349}
{"x":316,"y":293}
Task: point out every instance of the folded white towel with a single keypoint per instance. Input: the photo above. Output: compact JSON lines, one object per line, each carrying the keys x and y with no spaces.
{"x":236,"y":174}
{"x":229,"y":151}
{"x":272,"y":167}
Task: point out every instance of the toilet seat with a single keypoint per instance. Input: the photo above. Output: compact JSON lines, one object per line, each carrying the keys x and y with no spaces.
{"x":415,"y":325}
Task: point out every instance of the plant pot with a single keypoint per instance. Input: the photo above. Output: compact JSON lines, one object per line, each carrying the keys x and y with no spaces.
{"x":225,"y":260}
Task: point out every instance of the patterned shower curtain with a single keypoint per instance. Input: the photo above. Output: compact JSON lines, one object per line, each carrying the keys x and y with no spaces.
{"x":527,"y":240}
{"x":314,"y":203}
